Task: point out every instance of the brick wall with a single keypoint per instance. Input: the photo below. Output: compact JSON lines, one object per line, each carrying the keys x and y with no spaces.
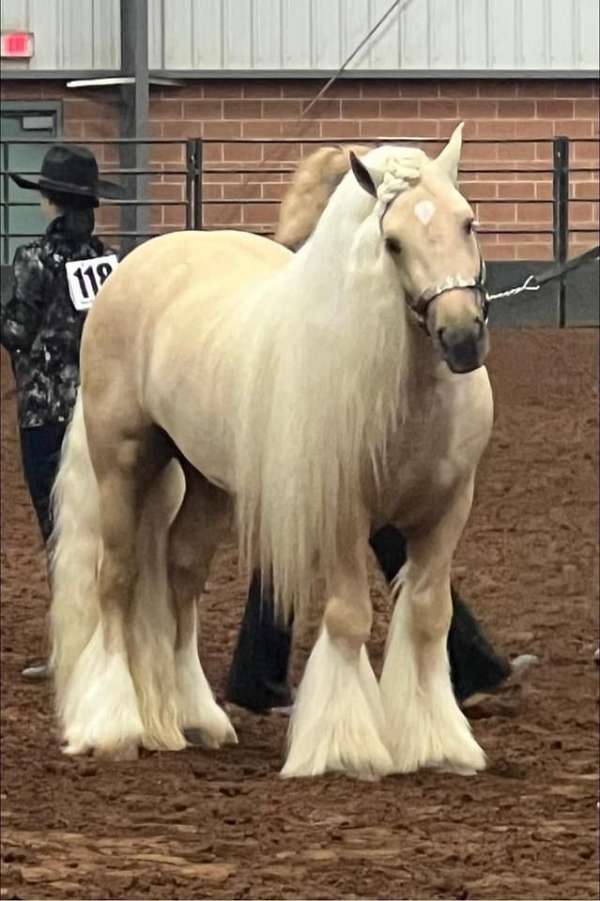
{"x":228,"y":114}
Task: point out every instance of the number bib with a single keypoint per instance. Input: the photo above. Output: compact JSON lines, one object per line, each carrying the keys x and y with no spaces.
{"x":86,"y":277}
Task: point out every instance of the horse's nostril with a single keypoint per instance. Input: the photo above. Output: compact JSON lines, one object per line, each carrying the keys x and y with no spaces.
{"x":440,"y":334}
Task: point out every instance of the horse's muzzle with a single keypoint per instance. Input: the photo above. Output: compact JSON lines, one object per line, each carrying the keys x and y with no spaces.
{"x":465,"y":347}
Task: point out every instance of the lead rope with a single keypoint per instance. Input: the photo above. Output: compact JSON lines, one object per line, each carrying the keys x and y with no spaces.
{"x":526,"y":286}
{"x":548,"y":275}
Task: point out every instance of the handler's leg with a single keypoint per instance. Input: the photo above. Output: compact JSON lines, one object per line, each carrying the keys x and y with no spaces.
{"x":474,"y":665}
{"x":40,"y":453}
{"x":258,"y":678}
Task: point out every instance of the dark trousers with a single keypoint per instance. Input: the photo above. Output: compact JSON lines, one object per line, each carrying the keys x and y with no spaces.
{"x":258,"y":678}
{"x":40,"y":452}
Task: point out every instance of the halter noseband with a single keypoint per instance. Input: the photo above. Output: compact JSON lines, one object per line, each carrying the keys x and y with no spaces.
{"x":420,"y":306}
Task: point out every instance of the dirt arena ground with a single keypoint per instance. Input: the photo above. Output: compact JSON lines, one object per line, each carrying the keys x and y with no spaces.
{"x":223,"y":825}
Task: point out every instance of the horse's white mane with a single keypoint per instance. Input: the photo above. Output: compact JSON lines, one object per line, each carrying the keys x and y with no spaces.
{"x":324,"y":360}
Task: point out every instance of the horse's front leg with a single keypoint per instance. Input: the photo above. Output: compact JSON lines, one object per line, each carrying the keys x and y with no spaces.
{"x":425,"y":724}
{"x":338,"y":723}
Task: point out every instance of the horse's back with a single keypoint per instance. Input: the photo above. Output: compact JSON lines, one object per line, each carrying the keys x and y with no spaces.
{"x":176,"y":277}
{"x":161,"y":271}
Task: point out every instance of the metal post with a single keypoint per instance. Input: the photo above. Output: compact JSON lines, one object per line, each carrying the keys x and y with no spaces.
{"x":135,"y":111}
{"x":560,"y":217}
{"x":6,"y":208}
{"x":198,"y":173}
{"x":189,"y":183}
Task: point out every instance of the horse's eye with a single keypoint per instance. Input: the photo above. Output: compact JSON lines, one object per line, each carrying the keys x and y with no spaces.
{"x":392,"y":244}
{"x":471,"y":225}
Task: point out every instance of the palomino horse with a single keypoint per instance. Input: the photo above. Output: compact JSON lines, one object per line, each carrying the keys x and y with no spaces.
{"x":306,"y":399}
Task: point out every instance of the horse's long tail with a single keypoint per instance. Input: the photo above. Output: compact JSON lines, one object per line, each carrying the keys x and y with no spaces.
{"x":75,"y":553}
{"x":313,"y":183}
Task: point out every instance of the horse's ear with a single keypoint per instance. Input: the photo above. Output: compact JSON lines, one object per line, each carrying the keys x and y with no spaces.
{"x":362,"y":175}
{"x":449,"y":158}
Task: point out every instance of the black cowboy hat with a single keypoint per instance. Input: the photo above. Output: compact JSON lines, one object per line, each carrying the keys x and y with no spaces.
{"x":70,"y":169}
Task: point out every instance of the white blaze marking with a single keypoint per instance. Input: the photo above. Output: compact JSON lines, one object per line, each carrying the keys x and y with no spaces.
{"x":424,"y":210}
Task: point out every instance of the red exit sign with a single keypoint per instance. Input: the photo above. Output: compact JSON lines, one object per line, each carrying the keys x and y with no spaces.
{"x":17,"y":45}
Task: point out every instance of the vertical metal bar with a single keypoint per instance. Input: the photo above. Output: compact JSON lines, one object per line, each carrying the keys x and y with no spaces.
{"x":189,"y":183}
{"x":198,"y":173}
{"x":560,"y":218}
{"x":134,"y":116}
{"x":6,"y":208}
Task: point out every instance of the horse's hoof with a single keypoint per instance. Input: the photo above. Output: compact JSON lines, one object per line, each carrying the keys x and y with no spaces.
{"x":230,"y":736}
{"x":171,"y":743}
{"x":450,"y":769}
{"x":199,"y":738}
{"x":75,"y":750}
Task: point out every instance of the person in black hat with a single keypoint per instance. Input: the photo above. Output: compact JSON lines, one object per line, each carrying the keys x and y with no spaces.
{"x":42,"y":319}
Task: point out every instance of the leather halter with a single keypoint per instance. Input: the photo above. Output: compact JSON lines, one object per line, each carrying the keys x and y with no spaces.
{"x":420,"y":306}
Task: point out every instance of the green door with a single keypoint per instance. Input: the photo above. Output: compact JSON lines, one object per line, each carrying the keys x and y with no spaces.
{"x":21,"y":224}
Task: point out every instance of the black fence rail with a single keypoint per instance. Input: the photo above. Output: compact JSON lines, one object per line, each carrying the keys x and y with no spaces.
{"x":196,"y":165}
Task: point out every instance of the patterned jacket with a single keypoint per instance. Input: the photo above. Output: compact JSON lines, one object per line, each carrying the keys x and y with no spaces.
{"x":41,"y":328}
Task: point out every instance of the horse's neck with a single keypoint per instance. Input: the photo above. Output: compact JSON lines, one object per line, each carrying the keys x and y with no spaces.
{"x":426,"y":369}
{"x":343,"y":298}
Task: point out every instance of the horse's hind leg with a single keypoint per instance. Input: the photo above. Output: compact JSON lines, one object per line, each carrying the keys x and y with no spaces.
{"x":153,"y":625}
{"x":200,"y":525}
{"x":100,"y":710}
{"x":338,"y":722}
{"x":426,"y":726}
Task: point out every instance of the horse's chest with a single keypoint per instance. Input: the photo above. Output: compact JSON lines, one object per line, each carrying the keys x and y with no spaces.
{"x":439,"y":445}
